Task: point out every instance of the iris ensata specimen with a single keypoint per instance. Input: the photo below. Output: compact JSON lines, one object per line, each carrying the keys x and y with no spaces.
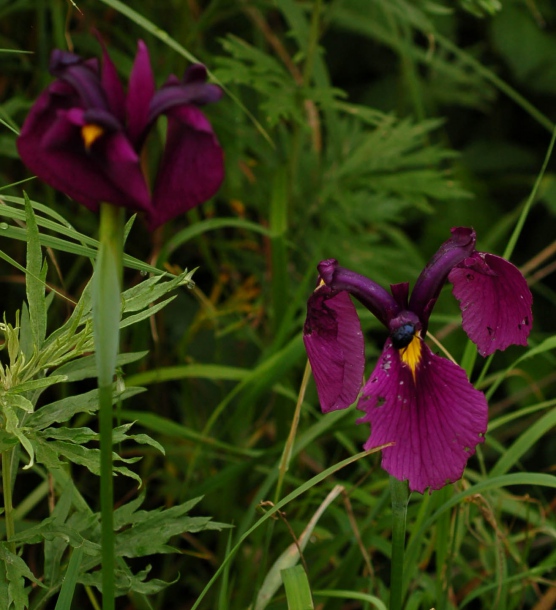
{"x":85,"y":136}
{"x":422,"y":402}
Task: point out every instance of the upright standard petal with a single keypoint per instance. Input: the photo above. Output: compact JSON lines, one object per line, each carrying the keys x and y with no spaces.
{"x":434,"y":275}
{"x":192,"y":167}
{"x":111,"y":85}
{"x":427,"y":407}
{"x":141,"y":90}
{"x":334,"y":343}
{"x":495,"y":302}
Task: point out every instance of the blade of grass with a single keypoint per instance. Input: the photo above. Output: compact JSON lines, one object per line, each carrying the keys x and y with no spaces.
{"x":70,"y":580}
{"x":292,"y":496}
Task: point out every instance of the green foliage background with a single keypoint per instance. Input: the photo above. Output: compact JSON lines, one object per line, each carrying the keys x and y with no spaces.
{"x":355,"y":129}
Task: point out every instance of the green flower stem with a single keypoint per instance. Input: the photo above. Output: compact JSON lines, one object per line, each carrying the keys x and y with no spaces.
{"x":106,"y":325}
{"x":7,"y":457}
{"x":400,"y":496}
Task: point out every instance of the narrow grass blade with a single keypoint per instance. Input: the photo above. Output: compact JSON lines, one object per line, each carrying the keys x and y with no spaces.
{"x":70,"y":580}
{"x":298,"y":590}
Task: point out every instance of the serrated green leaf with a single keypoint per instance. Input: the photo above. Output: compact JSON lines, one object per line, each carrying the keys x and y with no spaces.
{"x":120,"y":435}
{"x":62,"y":410}
{"x":54,"y":548}
{"x":38,"y":384}
{"x":143,"y":294}
{"x":138,"y":540}
{"x":16,"y":571}
{"x":79,"y":436}
{"x":85,"y":368}
{"x":50,"y":530}
{"x":127,"y":581}
{"x":145,"y":439}
{"x":123,"y":515}
{"x":147,"y":313}
{"x":50,"y":453}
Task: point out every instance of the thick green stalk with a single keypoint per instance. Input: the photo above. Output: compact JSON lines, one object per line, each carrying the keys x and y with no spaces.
{"x":7,"y":490}
{"x":106,"y":324}
{"x":400,"y":496}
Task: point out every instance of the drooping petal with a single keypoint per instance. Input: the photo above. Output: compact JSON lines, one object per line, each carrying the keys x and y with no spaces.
{"x":141,"y":90}
{"x":434,"y":275}
{"x":192,"y":167}
{"x":370,"y":294}
{"x":51,"y":144}
{"x":495,"y":302}
{"x":334,"y":343}
{"x":428,"y":408}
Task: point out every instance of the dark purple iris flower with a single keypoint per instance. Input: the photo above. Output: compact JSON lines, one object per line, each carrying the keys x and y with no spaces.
{"x":421,"y":402}
{"x":84,"y":136}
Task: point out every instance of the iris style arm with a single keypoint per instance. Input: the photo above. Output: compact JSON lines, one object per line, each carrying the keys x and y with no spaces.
{"x":429,"y":284}
{"x":374,"y":297}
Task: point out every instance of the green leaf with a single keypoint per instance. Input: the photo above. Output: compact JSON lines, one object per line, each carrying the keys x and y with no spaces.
{"x":523,"y":443}
{"x":345,"y":595}
{"x":139,"y":541}
{"x":147,"y":313}
{"x":35,"y":277}
{"x":38,"y":384}
{"x":7,"y":440}
{"x":65,"y":597}
{"x":126,"y":581}
{"x":106,"y":293}
{"x":298,"y":590}
{"x":124,"y":515}
{"x":85,"y":368}
{"x":52,"y":530}
{"x":20,"y":402}
{"x":49,"y":452}
{"x":63,"y":410}
{"x":139,"y":297}
{"x":16,"y":571}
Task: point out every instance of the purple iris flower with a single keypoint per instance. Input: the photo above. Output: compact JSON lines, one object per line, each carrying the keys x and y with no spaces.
{"x":85,"y":136}
{"x":421,"y":402}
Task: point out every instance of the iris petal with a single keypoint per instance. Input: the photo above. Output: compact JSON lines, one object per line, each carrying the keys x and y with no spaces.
{"x":174,"y":94}
{"x":81,"y":76}
{"x":435,"y":420}
{"x":334,"y":343}
{"x":84,"y":136}
{"x":141,"y":90}
{"x":52,"y":146}
{"x":112,"y":86}
{"x":495,"y":302}
{"x":192,"y":167}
